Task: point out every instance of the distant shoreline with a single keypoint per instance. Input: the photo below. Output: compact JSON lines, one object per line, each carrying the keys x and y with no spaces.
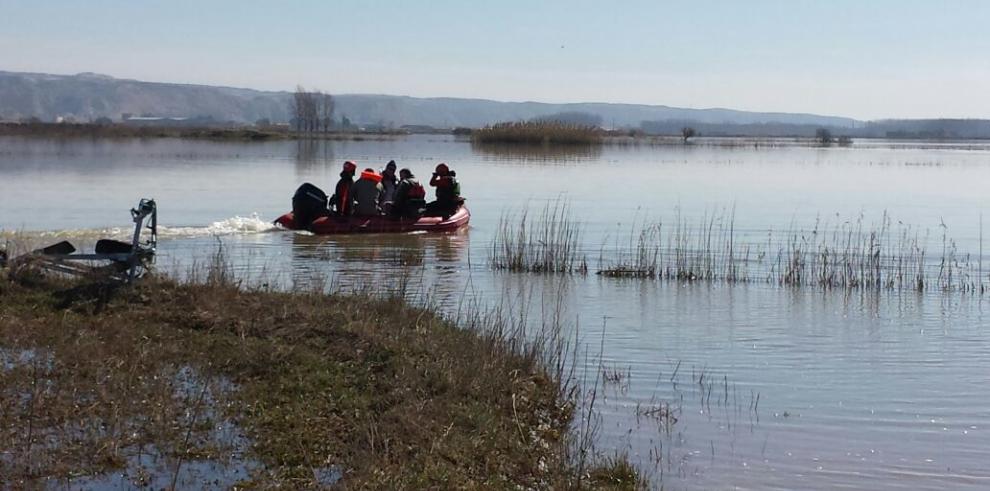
{"x":263,"y":134}
{"x":118,"y":130}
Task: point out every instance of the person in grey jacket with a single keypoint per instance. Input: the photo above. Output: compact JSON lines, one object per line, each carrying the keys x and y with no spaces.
{"x":389,"y":183}
{"x":367,"y":193}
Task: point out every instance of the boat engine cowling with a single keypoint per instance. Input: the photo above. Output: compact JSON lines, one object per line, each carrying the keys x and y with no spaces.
{"x":308,"y":204}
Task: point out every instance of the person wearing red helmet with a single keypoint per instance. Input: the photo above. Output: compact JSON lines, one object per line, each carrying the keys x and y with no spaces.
{"x":448,"y":191}
{"x":342,"y":201}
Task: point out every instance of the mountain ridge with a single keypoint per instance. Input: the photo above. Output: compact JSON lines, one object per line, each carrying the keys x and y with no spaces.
{"x":87,"y":96}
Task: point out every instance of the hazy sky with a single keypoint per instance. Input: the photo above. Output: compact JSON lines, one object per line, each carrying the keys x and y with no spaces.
{"x":865,"y":59}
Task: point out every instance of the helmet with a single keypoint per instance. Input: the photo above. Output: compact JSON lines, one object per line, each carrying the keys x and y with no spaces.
{"x":350,"y":167}
{"x":442,"y":169}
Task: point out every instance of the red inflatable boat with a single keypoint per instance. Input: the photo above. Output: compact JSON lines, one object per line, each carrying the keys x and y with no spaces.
{"x":379,"y":225}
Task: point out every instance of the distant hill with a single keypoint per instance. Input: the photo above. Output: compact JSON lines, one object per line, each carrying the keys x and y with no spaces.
{"x":88,"y":96}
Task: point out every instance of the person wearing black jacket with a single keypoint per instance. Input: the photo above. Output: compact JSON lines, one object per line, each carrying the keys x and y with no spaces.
{"x":410,"y":197}
{"x":448,"y":192}
{"x":342,"y":201}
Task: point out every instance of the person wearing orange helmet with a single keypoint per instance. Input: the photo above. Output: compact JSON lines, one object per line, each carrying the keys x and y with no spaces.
{"x":342,"y":201}
{"x":448,"y":191}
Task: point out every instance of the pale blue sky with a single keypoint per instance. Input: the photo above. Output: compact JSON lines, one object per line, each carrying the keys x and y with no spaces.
{"x":865,"y":59}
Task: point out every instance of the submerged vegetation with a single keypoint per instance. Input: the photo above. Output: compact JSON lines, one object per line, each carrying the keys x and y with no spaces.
{"x":847,"y":254}
{"x":548,"y":244}
{"x":299,"y":389}
{"x":538,"y":133}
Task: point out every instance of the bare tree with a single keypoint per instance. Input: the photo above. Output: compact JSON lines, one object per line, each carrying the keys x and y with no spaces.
{"x":326,"y":111}
{"x":824,"y":136}
{"x":297,"y":108}
{"x":687,"y":132}
{"x":307,"y":110}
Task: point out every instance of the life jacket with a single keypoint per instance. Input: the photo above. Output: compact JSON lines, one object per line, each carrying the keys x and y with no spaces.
{"x":371,"y":176}
{"x":416,"y":191}
{"x":448,"y":189}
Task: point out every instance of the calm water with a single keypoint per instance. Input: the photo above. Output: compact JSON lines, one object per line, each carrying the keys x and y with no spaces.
{"x":771,"y":387}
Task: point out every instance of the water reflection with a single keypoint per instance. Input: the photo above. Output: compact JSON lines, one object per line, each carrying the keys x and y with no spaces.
{"x":536,"y":154}
{"x":376,"y":261}
{"x":311,"y":154}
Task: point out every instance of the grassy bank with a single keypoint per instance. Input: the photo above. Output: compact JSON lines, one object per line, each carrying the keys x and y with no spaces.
{"x":168,"y":384}
{"x":87,"y":130}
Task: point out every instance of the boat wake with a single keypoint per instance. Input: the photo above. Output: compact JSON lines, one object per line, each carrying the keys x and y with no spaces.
{"x":236,"y":225}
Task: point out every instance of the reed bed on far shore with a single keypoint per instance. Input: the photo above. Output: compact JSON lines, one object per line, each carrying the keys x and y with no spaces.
{"x":539,"y":133}
{"x":849,"y":254}
{"x":548,"y":244}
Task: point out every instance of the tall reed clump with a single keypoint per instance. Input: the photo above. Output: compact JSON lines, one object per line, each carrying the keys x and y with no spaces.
{"x":549,"y":244}
{"x":849,"y":254}
{"x":538,"y":133}
{"x":642,"y":260}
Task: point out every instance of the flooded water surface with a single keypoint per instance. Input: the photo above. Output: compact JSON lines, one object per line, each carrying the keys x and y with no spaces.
{"x":754,"y":380}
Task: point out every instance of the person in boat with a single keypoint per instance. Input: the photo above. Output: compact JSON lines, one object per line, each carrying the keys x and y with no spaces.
{"x":410,"y":197}
{"x":389,"y":183}
{"x":342,"y":201}
{"x":448,"y":192}
{"x":367,"y":192}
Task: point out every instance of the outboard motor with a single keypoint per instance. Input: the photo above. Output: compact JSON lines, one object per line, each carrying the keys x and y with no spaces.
{"x":308,"y":204}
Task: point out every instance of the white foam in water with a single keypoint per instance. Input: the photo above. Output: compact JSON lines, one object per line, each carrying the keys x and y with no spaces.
{"x":252,"y":224}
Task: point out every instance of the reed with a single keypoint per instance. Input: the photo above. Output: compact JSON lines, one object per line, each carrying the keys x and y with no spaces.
{"x":643,"y":262}
{"x":548,"y":244}
{"x":538,"y":133}
{"x":845,"y":255}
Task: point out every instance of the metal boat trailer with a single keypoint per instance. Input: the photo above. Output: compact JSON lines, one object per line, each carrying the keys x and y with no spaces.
{"x":112,"y":259}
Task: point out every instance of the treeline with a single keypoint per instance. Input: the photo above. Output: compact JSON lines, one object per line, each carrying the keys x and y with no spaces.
{"x":928,"y":128}
{"x":686,"y":128}
{"x":311,"y":112}
{"x":948,"y":129}
{"x":677,"y":127}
